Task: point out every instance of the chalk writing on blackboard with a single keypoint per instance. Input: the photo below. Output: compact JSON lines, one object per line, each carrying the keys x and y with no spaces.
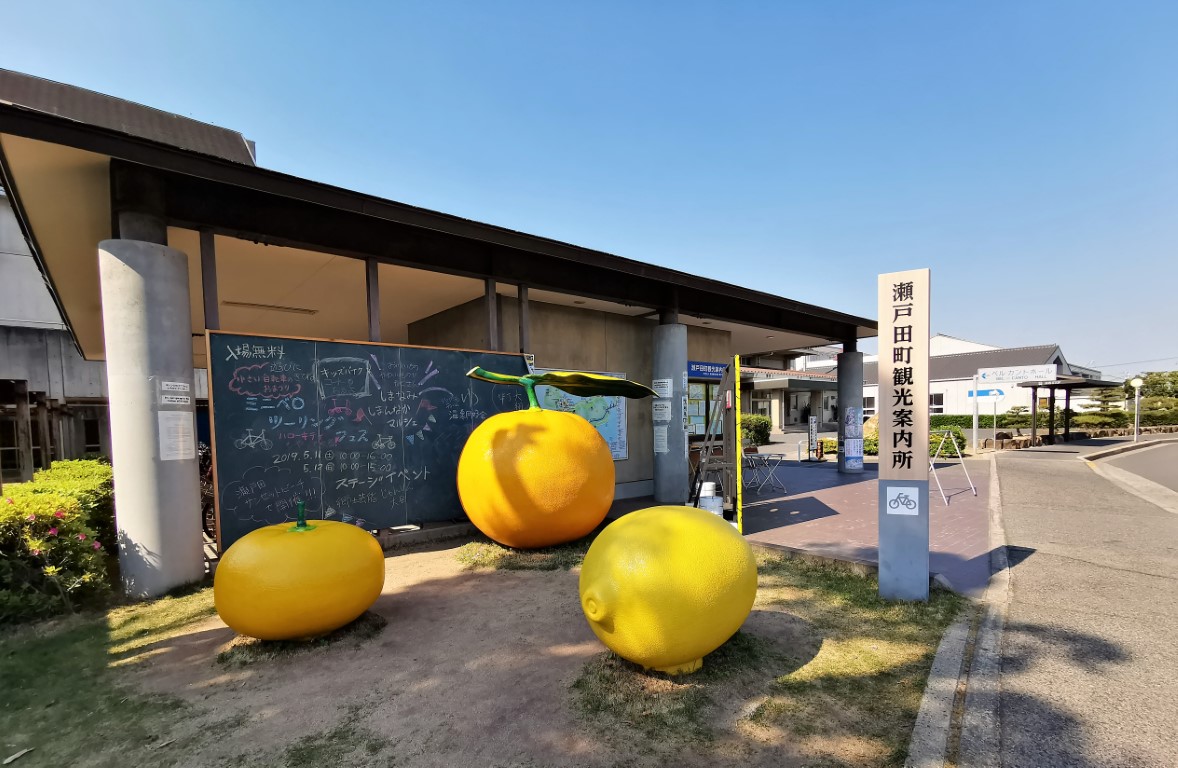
{"x":370,"y":433}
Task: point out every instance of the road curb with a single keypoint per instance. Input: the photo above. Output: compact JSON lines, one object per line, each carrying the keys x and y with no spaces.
{"x":977,"y":674}
{"x":1095,"y":455}
{"x":1141,"y":487}
{"x":981,"y":727}
{"x":929,"y":745}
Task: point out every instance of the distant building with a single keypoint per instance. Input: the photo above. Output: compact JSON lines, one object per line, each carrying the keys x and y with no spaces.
{"x":952,"y":365}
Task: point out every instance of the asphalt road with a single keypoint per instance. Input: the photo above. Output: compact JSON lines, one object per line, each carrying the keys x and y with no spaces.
{"x":1088,"y":653}
{"x":1159,"y":464}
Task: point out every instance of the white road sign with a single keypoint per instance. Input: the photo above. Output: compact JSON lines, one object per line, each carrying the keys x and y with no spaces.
{"x":1017,"y":373}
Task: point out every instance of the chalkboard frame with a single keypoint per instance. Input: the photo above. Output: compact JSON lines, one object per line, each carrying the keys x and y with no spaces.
{"x":528,"y":360}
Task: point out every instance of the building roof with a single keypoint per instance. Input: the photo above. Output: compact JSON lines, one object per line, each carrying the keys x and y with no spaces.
{"x":60,"y":154}
{"x":127,"y":117}
{"x":965,"y":365}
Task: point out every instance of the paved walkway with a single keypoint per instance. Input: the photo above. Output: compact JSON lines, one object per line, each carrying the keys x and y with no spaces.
{"x":1089,"y":653}
{"x":836,"y":515}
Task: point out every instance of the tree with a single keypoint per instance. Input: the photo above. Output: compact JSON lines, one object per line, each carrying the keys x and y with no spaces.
{"x":1107,"y":410}
{"x":1156,"y":384}
{"x":1017,"y":417}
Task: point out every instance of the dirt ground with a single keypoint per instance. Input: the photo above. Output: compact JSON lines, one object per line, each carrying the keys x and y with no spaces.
{"x":474,"y":668}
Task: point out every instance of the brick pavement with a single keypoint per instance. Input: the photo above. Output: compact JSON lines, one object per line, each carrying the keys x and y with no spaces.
{"x":836,"y":515}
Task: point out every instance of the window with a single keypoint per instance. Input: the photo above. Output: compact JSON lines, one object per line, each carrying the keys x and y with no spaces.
{"x":91,"y":430}
{"x":936,"y":402}
{"x":869,"y":406}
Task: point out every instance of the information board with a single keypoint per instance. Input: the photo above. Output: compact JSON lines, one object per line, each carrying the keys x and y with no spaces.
{"x":367,"y":434}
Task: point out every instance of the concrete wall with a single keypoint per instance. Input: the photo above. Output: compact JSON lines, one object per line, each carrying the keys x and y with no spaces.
{"x":577,"y":339}
{"x":48,"y":360}
{"x":24,"y":298}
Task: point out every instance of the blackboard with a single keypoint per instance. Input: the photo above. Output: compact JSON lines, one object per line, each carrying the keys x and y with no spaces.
{"x":367,"y":434}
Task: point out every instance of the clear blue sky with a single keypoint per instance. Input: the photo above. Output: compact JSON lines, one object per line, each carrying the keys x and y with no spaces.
{"x":1026,"y":151}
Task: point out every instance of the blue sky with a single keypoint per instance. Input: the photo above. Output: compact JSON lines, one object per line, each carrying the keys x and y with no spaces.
{"x":1026,"y":151}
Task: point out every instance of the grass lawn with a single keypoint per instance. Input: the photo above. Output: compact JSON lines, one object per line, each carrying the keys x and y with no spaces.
{"x":474,"y":667}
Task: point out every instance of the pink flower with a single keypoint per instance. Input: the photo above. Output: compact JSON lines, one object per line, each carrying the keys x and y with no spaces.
{"x":10,"y":501}
{"x":97,"y":545}
{"x":36,"y":551}
{"x":59,"y":514}
{"x":31,"y":517}
{"x":81,"y":537}
{"x":52,"y":531}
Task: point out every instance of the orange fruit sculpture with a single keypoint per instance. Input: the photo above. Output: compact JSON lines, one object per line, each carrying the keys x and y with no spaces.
{"x":288,"y":582}
{"x":535,"y":478}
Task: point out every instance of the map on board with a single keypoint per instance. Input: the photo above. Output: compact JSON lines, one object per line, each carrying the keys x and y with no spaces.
{"x":606,"y":414}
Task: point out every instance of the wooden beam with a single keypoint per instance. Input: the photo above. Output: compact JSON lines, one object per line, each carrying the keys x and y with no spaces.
{"x":372,"y":283}
{"x":208,"y":279}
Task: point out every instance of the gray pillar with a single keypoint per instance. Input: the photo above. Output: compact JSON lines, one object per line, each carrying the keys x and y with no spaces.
{"x":525,"y":323}
{"x":43,"y":434}
{"x":148,"y":343}
{"x":816,"y":406}
{"x":208,"y":280}
{"x":372,"y":283}
{"x":24,"y":431}
{"x":850,"y":409}
{"x":1034,"y":414}
{"x":491,"y":300}
{"x":671,"y":479}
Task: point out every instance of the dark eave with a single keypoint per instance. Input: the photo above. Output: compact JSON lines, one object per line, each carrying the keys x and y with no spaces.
{"x":253,"y":203}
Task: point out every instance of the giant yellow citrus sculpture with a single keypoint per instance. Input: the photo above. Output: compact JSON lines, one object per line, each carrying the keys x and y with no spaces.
{"x":665,"y":586}
{"x":285,"y":582}
{"x":535,"y":478}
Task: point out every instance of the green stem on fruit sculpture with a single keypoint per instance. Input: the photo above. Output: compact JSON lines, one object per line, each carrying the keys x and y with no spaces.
{"x":527,"y":382}
{"x":300,"y":525}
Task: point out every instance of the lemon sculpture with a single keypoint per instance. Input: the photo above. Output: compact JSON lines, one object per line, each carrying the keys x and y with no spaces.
{"x":665,"y":586}
{"x":286,"y":582}
{"x":535,"y":478}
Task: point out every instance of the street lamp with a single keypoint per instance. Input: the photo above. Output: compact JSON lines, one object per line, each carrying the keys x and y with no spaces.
{"x":1136,"y":382}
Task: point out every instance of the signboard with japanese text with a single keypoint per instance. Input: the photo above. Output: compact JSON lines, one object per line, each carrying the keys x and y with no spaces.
{"x":903,"y":410}
{"x":903,"y":375}
{"x":697,"y":369}
{"x":367,"y":434}
{"x":1017,"y":373}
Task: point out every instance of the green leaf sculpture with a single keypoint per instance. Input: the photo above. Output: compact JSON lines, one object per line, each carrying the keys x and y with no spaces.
{"x":574,"y":382}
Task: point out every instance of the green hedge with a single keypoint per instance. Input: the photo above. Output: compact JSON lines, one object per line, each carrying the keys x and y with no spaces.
{"x":871,"y":444}
{"x":49,"y":558}
{"x":91,"y":482}
{"x":57,"y":537}
{"x":755,"y":428}
{"x":947,"y":420}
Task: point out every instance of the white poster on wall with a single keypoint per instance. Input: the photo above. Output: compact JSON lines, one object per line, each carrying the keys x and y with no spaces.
{"x":606,"y":414}
{"x":177,"y":441}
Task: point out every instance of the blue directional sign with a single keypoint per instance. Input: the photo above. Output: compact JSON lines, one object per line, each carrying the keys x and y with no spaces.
{"x":987,"y":393}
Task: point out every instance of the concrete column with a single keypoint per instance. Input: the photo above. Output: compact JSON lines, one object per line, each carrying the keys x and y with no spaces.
{"x":43,"y":434}
{"x":372,"y":284}
{"x":1034,"y":414}
{"x":148,"y":343}
{"x":525,"y":323}
{"x":491,"y":300}
{"x":671,"y":475}
{"x":815,"y":408}
{"x":208,"y":279}
{"x":24,"y":431}
{"x":850,"y":406}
